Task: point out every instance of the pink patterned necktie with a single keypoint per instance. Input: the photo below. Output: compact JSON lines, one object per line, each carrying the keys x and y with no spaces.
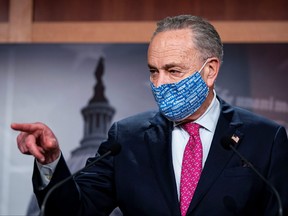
{"x":191,"y":166}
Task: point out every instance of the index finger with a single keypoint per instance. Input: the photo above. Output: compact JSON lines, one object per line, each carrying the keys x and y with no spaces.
{"x":27,"y":127}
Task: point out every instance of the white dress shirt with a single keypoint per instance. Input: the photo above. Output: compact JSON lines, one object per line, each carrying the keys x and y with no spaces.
{"x":180,"y":137}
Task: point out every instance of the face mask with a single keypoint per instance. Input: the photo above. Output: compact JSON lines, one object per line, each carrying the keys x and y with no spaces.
{"x":179,"y":100}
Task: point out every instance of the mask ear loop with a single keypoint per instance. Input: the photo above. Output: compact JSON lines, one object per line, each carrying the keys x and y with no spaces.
{"x":203,"y":65}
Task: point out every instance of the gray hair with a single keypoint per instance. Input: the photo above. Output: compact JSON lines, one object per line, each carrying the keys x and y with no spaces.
{"x":206,"y":38}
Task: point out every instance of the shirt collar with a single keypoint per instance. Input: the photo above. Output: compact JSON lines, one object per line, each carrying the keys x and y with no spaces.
{"x":209,"y":119}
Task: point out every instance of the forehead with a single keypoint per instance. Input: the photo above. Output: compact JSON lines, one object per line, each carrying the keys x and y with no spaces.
{"x":173,"y":44}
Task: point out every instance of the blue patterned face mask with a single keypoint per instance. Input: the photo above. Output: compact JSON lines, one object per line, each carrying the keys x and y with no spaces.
{"x":179,"y":100}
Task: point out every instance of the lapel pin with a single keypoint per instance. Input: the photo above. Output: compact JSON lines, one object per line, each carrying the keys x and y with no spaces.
{"x":235,"y":138}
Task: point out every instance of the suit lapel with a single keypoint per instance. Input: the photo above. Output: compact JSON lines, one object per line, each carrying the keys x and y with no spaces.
{"x":218,"y":156}
{"x":158,"y":139}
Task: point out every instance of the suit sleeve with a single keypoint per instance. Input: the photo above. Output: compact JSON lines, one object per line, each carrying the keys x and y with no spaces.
{"x":92,"y":192}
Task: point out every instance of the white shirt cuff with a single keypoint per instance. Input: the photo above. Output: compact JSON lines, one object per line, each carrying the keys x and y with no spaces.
{"x":47,"y":170}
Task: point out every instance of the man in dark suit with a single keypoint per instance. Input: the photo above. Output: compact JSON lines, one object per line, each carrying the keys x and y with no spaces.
{"x":145,"y":178}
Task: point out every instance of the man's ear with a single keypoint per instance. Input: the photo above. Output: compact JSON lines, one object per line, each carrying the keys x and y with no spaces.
{"x":211,"y":70}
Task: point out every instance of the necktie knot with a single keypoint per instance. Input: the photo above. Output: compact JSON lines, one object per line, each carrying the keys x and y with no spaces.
{"x":191,"y":128}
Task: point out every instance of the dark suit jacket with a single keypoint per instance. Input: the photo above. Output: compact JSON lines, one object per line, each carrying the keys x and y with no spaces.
{"x":140,"y":180}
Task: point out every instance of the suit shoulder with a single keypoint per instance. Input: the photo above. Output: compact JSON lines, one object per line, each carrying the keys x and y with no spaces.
{"x":138,"y":119}
{"x":257,"y":120}
{"x":247,"y":117}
